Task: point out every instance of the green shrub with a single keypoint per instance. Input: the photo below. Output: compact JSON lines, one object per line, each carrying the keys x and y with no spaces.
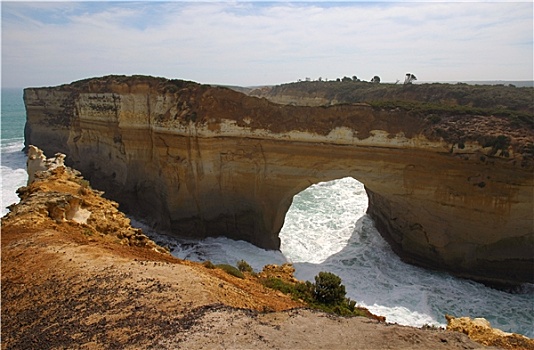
{"x":208,"y":264}
{"x":244,"y":266}
{"x":88,"y":232}
{"x":328,"y":288}
{"x":327,"y":294}
{"x":278,"y":284}
{"x":83,"y":183}
{"x":305,"y":289}
{"x":231,"y":270}
{"x":298,"y":291}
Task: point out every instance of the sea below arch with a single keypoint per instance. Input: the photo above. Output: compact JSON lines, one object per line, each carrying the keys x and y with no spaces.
{"x":326,"y":229}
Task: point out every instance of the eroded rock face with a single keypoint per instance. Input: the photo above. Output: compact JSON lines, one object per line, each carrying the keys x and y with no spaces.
{"x":202,"y":161}
{"x":480,"y":330}
{"x":57,"y":196}
{"x":37,"y":162}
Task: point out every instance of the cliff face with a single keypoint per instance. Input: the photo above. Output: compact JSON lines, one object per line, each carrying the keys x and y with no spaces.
{"x":454,"y":193}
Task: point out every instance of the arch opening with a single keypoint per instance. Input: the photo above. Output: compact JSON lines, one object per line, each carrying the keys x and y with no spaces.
{"x":321,"y":220}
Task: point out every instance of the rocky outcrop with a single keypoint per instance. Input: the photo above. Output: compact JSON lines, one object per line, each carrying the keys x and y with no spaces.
{"x":480,"y":330}
{"x":453,"y":192}
{"x":58,"y":195}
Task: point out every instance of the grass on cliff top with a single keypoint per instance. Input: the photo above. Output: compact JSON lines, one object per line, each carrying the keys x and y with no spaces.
{"x":229,"y":269}
{"x":519,"y":118}
{"x":326,"y":294}
{"x":493,"y":97}
{"x":515,"y":103}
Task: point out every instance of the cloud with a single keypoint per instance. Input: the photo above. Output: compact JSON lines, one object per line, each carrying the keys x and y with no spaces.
{"x":265,"y":43}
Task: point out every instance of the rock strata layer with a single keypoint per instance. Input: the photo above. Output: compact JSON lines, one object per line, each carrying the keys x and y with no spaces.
{"x":454,"y":193}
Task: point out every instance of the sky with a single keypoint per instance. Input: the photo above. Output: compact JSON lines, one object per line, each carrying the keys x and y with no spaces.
{"x":264,"y":43}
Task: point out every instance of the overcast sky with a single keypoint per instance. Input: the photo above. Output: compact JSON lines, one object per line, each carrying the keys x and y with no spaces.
{"x":256,"y":43}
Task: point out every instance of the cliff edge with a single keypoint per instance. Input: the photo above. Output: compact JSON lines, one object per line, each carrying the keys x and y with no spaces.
{"x":448,"y":188}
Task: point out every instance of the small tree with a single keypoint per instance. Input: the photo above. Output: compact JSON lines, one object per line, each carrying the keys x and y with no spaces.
{"x":244,"y":266}
{"x":409,"y":78}
{"x":328,"y":288}
{"x":376,"y":79}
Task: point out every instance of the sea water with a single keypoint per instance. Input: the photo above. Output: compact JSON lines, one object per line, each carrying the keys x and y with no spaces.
{"x":326,"y":229}
{"x":12,"y":160}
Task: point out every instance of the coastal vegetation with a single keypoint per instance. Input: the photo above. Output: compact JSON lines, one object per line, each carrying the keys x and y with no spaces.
{"x":231,"y":270}
{"x":460,"y":97}
{"x":432,"y":108}
{"x":244,"y":266}
{"x":326,"y":294}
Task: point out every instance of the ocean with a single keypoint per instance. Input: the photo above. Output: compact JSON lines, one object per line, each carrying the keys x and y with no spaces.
{"x":326,"y":229}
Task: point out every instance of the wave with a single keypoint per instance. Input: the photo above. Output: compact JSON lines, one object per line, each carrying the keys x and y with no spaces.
{"x":13,"y":170}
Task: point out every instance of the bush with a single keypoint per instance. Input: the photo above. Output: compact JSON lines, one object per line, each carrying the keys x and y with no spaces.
{"x":500,"y":142}
{"x":208,"y":264}
{"x":298,"y":291}
{"x":328,"y":289}
{"x":88,"y":232}
{"x":244,"y":266}
{"x":327,"y":294}
{"x":278,"y":284}
{"x":83,"y":183}
{"x":231,"y":270}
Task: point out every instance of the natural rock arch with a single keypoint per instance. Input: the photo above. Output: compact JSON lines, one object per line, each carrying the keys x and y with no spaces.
{"x":205,"y":161}
{"x":328,"y":210}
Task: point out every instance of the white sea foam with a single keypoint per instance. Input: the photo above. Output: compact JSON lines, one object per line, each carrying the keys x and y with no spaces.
{"x":322,"y":219}
{"x":219,"y":250}
{"x":13,"y":169}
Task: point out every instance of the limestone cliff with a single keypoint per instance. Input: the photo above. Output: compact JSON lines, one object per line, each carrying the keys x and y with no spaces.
{"x":452,"y":192}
